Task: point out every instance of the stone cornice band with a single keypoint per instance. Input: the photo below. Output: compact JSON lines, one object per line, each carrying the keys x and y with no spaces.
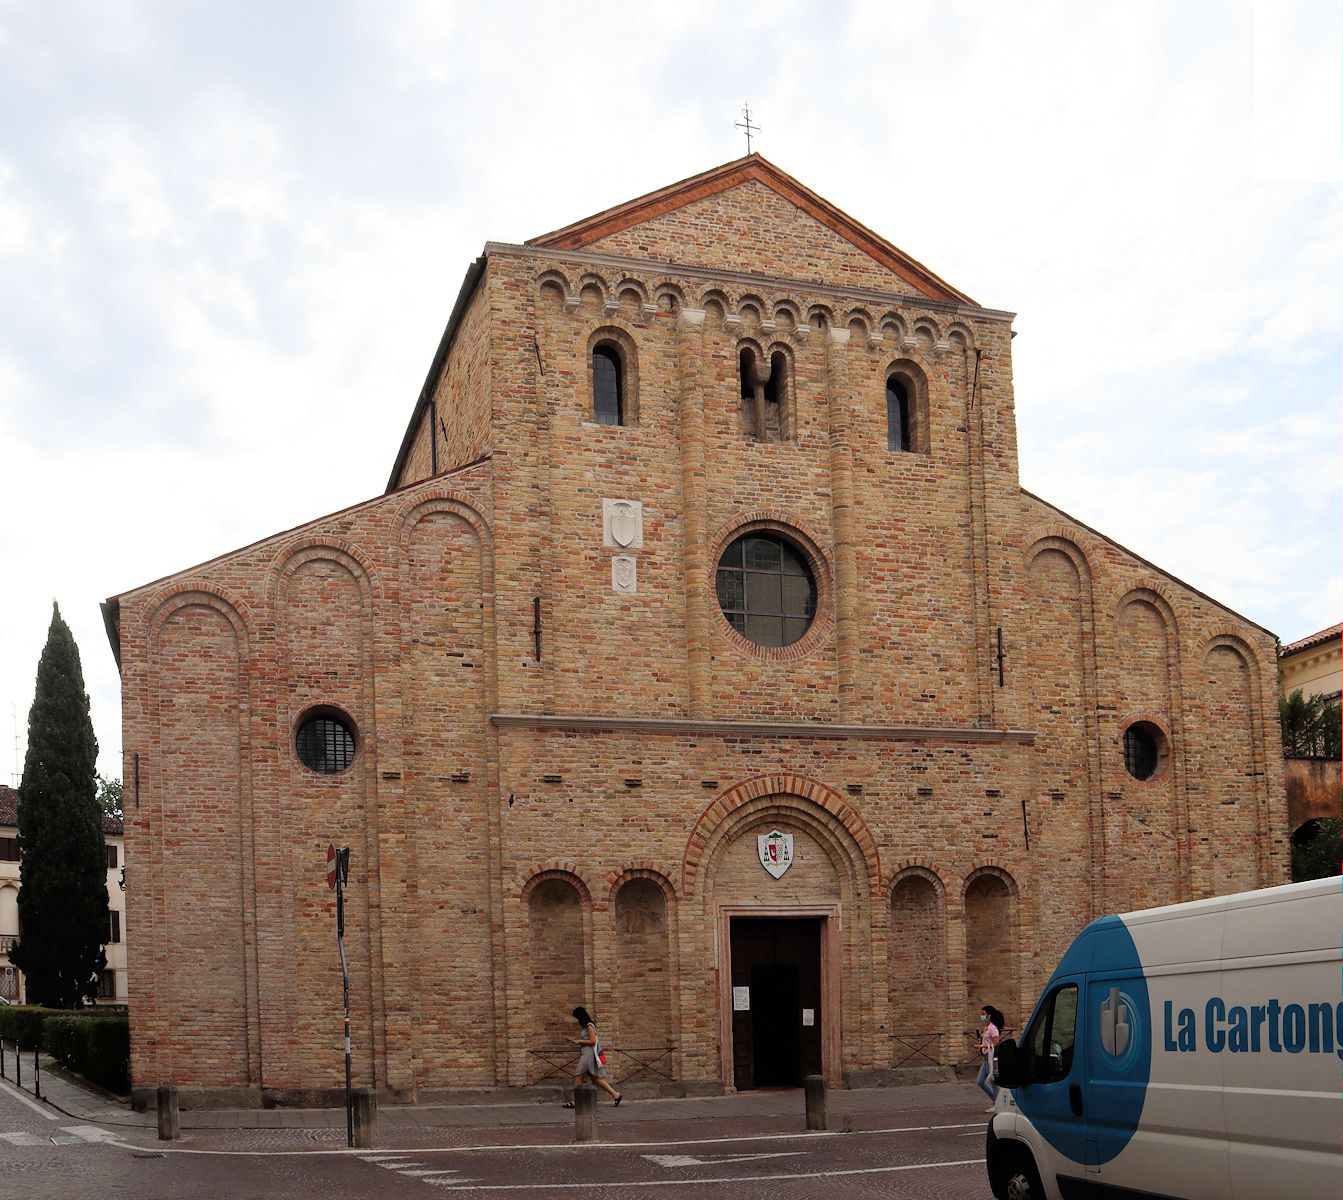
{"x":674,"y":725}
{"x":645,"y":266}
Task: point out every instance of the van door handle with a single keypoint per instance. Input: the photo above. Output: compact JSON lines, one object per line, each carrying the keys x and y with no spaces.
{"x":1075,"y":1099}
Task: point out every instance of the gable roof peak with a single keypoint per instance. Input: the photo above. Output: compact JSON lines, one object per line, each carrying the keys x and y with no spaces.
{"x":753,"y":167}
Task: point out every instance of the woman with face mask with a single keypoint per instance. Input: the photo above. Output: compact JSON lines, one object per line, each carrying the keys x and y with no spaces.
{"x":991,"y":1030}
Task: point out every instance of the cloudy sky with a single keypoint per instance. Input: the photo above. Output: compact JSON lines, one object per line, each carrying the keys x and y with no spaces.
{"x":231,"y":234}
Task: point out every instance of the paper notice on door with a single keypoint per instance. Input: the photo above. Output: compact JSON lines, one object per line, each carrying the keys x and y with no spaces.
{"x":808,"y":1016}
{"x":741,"y":999}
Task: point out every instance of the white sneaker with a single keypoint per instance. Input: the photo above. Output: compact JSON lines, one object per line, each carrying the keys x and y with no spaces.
{"x":992,"y":1108}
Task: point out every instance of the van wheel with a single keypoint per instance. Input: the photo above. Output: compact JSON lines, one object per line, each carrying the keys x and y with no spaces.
{"x":1020,"y":1180}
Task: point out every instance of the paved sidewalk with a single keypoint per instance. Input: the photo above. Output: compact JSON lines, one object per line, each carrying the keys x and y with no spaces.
{"x":81,"y":1102}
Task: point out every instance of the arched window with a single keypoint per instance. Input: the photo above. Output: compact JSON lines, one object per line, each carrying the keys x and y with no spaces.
{"x":764,"y":395}
{"x":776,"y":396}
{"x":608,"y":385}
{"x":897,"y":415}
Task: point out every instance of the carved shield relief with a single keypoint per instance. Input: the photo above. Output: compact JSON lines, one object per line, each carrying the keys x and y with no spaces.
{"x":624,"y":574}
{"x":624,"y":524}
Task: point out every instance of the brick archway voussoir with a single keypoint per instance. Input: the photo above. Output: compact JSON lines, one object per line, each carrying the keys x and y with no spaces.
{"x":782,"y":783}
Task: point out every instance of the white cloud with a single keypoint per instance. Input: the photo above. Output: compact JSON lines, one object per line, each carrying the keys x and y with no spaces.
{"x":230,"y":243}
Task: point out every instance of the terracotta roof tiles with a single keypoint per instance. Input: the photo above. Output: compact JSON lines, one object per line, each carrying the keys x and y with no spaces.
{"x":9,"y":813}
{"x":1315,"y":639}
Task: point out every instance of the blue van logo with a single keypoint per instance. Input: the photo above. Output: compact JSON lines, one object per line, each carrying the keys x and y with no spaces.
{"x":1118,"y":1022}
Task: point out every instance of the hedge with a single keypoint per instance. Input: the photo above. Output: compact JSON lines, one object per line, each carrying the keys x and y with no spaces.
{"x":95,"y":1046}
{"x":22,"y":1023}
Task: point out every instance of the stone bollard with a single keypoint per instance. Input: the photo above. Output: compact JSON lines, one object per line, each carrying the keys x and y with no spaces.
{"x":814,"y":1085}
{"x":585,"y":1114}
{"x":170,"y":1127}
{"x":365,"y":1118}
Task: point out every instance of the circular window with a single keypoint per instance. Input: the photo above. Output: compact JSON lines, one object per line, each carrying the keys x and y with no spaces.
{"x":766,"y":589}
{"x":1143,"y":743}
{"x":325,"y":743}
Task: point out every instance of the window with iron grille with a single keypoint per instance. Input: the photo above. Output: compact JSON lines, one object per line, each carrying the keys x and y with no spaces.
{"x":608,"y":385}
{"x":113,"y":927}
{"x":766,"y":589}
{"x":107,"y":985}
{"x":1142,"y":749}
{"x":325,"y":743}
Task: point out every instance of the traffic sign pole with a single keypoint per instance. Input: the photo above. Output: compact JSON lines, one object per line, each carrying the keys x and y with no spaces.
{"x":337,"y":875}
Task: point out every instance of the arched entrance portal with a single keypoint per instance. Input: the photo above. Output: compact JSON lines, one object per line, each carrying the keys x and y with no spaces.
{"x":784,"y":873}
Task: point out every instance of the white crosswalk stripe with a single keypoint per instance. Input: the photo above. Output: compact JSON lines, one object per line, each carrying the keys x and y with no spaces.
{"x":70,"y":1135}
{"x":89,"y":1133}
{"x":412,"y":1169}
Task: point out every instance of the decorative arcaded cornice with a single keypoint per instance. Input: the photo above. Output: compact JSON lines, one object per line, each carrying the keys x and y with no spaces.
{"x":667,"y":267}
{"x":789,"y":729}
{"x":756,"y":169}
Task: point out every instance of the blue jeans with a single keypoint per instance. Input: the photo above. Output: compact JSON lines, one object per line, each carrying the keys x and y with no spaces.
{"x":985,"y":1079}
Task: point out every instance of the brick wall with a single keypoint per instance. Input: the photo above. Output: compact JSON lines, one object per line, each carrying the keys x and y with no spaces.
{"x":461,"y":401}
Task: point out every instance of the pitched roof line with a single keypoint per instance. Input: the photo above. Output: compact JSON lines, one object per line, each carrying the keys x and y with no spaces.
{"x":753,"y":167}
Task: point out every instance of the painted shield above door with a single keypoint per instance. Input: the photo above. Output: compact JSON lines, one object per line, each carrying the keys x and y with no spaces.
{"x":776,"y":851}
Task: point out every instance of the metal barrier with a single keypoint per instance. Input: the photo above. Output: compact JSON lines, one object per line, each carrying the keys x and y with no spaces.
{"x":636,"y":1062}
{"x":909,"y":1046}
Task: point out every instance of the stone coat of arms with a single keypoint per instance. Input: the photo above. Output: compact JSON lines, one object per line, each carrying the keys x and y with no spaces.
{"x":776,"y":851}
{"x":624,"y":524}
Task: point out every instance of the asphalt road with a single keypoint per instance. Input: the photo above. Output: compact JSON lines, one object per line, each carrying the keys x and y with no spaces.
{"x":928,"y":1154}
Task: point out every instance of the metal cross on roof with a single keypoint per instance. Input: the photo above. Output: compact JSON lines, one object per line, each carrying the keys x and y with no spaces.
{"x":747,"y":126}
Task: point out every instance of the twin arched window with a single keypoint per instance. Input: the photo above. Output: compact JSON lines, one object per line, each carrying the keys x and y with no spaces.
{"x":608,"y":384}
{"x":764,"y":394}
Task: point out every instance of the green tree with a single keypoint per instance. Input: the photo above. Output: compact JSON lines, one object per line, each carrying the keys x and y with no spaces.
{"x":110,"y":797}
{"x":62,"y":856}
{"x":1310,"y":726}
{"x":1319,"y":854}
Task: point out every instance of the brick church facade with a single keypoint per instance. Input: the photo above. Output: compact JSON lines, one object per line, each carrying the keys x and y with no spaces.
{"x":704,"y":663}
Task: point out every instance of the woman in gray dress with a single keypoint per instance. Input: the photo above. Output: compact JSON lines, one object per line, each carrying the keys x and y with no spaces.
{"x":589,"y":1065}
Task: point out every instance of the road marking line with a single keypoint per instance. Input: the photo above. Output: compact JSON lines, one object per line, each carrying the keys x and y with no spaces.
{"x":584,"y":1147}
{"x":21,"y":1138}
{"x":738,"y":1179}
{"x":18,"y":1095}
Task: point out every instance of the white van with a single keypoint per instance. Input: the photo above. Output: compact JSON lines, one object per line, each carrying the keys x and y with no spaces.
{"x":1193,"y":1051}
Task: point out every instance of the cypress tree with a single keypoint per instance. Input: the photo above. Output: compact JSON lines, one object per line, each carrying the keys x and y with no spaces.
{"x":63,"y":919}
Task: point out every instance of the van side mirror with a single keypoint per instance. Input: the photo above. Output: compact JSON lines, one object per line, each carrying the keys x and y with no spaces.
{"x":1011,"y":1064}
